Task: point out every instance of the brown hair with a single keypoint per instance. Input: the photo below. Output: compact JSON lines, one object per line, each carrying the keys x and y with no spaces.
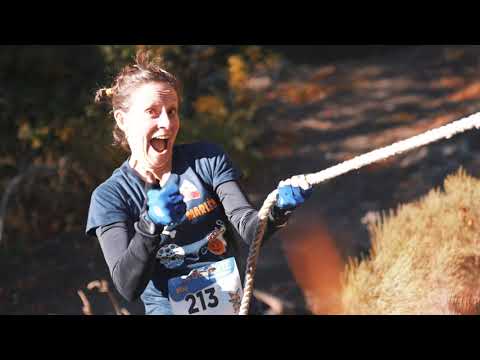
{"x":146,"y":69}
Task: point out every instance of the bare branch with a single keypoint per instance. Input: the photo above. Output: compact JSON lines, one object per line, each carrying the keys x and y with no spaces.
{"x":98,"y":284}
{"x":124,"y":311}
{"x":277,"y":305}
{"x":102,"y":286}
{"x":87,"y":308}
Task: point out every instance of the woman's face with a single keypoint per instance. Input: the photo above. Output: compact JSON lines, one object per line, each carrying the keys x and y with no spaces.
{"x":151,"y":125}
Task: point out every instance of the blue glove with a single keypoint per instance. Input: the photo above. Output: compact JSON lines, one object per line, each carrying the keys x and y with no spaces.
{"x":166,"y":205}
{"x":293,"y":192}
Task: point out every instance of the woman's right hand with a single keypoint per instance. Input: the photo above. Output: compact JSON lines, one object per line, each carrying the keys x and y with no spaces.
{"x":166,"y":205}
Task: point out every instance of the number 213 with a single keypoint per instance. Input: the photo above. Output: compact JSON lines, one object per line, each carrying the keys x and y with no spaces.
{"x":213,"y":300}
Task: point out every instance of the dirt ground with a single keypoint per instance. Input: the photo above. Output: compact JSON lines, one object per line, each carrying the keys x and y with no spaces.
{"x":318,"y":115}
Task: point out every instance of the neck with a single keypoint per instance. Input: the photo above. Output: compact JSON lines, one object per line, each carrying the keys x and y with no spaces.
{"x":149,"y":174}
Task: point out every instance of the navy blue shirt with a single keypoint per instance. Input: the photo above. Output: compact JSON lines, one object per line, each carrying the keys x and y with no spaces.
{"x":202,"y":167}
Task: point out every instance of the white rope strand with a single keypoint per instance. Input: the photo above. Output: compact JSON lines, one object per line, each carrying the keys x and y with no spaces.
{"x":444,"y":132}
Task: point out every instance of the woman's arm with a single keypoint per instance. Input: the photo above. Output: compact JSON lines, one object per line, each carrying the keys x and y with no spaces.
{"x":130,"y":261}
{"x":243,"y":216}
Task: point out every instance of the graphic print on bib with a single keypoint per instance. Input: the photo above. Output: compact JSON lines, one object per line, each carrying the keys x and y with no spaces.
{"x":189,"y":191}
{"x":213,"y":289}
{"x":173,"y":256}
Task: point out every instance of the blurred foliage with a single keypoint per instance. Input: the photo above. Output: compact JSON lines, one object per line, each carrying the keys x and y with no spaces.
{"x":48,"y":117}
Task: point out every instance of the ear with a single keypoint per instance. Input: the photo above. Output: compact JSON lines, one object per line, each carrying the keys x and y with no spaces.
{"x":119,"y":116}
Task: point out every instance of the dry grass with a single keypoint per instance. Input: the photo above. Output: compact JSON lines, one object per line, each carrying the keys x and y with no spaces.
{"x":425,"y":257}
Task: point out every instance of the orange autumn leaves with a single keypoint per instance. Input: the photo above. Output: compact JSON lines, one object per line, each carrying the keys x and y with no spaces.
{"x":211,"y":105}
{"x":470,"y":92}
{"x":241,"y":82}
{"x":299,"y":93}
{"x":214,"y":106}
{"x":237,"y":72}
{"x":37,"y":136}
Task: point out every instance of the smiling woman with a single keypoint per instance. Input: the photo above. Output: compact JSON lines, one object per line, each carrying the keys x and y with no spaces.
{"x":151,"y":125}
{"x":145,"y":100}
{"x":158,"y":217}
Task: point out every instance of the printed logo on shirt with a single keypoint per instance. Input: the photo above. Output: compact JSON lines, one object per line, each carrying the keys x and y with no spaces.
{"x":202,"y":209}
{"x":189,"y":191}
{"x":172,"y":256}
{"x":216,"y":243}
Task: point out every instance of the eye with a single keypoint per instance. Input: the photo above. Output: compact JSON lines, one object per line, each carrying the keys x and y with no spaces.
{"x":150,"y":112}
{"x":172,"y":112}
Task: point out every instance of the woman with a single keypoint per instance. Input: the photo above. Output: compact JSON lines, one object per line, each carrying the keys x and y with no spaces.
{"x":160,"y":218}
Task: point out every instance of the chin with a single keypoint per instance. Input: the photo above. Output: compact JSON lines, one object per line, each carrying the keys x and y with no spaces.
{"x":157,"y":160}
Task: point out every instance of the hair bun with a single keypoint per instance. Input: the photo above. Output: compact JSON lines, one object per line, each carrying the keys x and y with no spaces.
{"x":102,"y":94}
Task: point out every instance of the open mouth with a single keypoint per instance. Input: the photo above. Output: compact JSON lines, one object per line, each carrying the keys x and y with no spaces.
{"x":159,"y":144}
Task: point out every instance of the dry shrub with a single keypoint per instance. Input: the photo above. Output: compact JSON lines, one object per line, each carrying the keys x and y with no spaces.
{"x":425,"y":257}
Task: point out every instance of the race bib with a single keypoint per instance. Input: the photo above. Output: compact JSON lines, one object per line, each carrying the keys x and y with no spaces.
{"x":213,"y":289}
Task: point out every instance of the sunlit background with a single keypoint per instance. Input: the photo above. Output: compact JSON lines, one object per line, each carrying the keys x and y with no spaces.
{"x":277,"y":110}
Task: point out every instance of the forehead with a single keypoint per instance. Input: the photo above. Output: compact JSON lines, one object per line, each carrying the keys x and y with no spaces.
{"x":154,"y":93}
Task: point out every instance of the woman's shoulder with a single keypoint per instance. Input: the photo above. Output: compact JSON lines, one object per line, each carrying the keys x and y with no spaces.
{"x":109,"y":202}
{"x":114,"y":185}
{"x":200,"y":149}
{"x":209,"y":161}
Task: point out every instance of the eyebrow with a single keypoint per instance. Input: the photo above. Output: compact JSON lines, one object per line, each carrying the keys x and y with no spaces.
{"x":167,"y":106}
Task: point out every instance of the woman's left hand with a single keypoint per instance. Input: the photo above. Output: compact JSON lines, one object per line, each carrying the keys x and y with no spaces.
{"x":293,"y":192}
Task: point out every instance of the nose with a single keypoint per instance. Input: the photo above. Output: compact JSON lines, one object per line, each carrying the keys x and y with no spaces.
{"x":163,"y":121}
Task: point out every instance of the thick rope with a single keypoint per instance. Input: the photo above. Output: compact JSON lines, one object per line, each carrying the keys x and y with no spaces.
{"x":444,"y":132}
